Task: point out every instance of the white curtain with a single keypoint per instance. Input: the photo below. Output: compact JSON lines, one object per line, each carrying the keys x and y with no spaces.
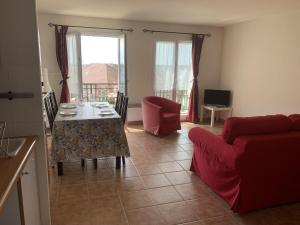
{"x":164,"y":69}
{"x":74,"y":62}
{"x":184,"y":75}
{"x":173,"y":71}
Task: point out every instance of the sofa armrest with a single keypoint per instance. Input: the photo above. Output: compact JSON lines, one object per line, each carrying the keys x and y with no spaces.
{"x":215,"y":145}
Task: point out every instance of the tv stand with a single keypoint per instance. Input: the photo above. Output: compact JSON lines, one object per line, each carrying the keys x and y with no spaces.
{"x":213,"y":109}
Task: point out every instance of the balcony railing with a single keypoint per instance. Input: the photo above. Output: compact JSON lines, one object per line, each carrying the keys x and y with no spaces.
{"x":108,"y":92}
{"x":181,"y":96}
{"x":100,"y":92}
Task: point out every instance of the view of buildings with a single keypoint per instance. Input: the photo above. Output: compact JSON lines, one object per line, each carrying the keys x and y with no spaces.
{"x":100,"y":81}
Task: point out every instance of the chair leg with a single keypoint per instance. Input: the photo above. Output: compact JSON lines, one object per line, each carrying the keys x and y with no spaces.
{"x":82,"y":163}
{"x":95,"y":163}
{"x":123,"y":160}
{"x":118,"y":162}
{"x":60,"y":169}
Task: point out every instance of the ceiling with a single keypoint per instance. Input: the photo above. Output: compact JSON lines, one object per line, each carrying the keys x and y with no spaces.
{"x":202,"y":12}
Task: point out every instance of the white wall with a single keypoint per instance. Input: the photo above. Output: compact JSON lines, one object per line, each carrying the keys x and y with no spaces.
{"x":20,"y":72}
{"x":140,"y":51}
{"x":261,"y":65}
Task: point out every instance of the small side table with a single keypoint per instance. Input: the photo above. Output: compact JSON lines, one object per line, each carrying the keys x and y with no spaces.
{"x":213,"y":110}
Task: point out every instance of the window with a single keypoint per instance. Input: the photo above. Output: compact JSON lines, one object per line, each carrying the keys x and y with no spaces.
{"x":96,"y":67}
{"x":173,"y":71}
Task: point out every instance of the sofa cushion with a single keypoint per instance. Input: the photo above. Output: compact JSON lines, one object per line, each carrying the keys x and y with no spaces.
{"x":295,"y":118}
{"x":239,"y":126}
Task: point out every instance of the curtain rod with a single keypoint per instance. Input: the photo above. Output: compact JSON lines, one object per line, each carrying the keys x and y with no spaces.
{"x":99,"y":28}
{"x":173,"y":32}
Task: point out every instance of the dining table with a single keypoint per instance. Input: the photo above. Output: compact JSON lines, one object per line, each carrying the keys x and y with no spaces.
{"x":88,"y":130}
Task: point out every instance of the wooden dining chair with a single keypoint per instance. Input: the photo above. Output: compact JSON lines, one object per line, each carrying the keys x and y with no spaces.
{"x":123,"y":111}
{"x":123,"y":114}
{"x":53,"y":102}
{"x":49,"y":111}
{"x":121,"y":108}
{"x":119,"y":102}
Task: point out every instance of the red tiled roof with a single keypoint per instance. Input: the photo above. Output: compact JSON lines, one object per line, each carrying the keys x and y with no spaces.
{"x":99,"y":73}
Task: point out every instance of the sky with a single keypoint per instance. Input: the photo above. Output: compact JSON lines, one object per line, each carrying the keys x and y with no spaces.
{"x":99,"y":49}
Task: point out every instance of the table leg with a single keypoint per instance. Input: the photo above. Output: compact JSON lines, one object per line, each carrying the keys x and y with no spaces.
{"x":60,"y":169}
{"x":118,"y":162}
{"x":201,"y":114}
{"x":123,"y":160}
{"x":95,"y":163}
{"x":212,"y":120}
{"x":82,"y":163}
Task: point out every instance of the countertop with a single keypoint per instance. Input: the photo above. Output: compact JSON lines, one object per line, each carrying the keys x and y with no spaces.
{"x":11,"y":168}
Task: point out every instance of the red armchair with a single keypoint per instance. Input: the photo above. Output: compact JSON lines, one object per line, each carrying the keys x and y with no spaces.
{"x":161,"y":116}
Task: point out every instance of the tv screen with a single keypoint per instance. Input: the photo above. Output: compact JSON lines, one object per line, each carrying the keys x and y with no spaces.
{"x":217,"y":97}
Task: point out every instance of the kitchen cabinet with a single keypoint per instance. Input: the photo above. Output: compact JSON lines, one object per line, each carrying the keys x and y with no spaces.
{"x":19,"y":202}
{"x":30,"y":198}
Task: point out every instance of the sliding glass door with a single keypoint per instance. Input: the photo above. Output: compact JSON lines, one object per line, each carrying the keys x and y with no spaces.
{"x":173,"y":71}
{"x":97,"y":66}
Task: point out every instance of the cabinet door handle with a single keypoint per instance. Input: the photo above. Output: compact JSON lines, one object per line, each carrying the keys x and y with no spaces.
{"x":24,"y":173}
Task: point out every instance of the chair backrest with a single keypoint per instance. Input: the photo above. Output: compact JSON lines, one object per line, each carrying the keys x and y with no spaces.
{"x":49,"y":110}
{"x":117,"y":100}
{"x":120,"y":102}
{"x":124,"y":107}
{"x":53,"y":102}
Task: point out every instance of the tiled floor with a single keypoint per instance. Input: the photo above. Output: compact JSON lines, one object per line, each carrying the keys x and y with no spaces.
{"x":154,"y":188}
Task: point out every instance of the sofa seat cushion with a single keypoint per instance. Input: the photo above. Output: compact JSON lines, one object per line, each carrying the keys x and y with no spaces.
{"x":170,"y":117}
{"x":240,"y":126}
{"x":295,"y":118}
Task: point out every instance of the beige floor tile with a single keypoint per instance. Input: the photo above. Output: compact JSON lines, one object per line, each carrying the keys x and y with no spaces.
{"x":72,"y":212}
{"x":191,"y":191}
{"x":105,"y":203}
{"x":170,"y":167}
{"x":187,"y":147}
{"x":148,"y":169}
{"x":179,"y":155}
{"x":102,"y":188}
{"x":131,"y":184}
{"x":176,"y":213}
{"x":72,"y":192}
{"x":206,"y":208}
{"x":145,"y":216}
{"x":108,"y":217}
{"x":136,"y":199}
{"x":128,"y":171}
{"x":180,"y":177}
{"x":186,"y":164}
{"x":222,"y":220}
{"x":100,"y":174}
{"x":73,"y":179}
{"x":157,"y":180}
{"x":164,"y":195}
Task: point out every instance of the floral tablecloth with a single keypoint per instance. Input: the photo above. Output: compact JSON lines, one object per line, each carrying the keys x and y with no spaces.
{"x":87,"y":134}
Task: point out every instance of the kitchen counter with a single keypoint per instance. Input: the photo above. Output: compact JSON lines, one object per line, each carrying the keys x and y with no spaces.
{"x":11,"y":168}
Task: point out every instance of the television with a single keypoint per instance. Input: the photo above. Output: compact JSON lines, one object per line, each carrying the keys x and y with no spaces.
{"x":216,"y":97}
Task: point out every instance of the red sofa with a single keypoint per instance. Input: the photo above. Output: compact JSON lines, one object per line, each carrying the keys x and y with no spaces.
{"x":161,"y":116}
{"x":254,"y":163}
